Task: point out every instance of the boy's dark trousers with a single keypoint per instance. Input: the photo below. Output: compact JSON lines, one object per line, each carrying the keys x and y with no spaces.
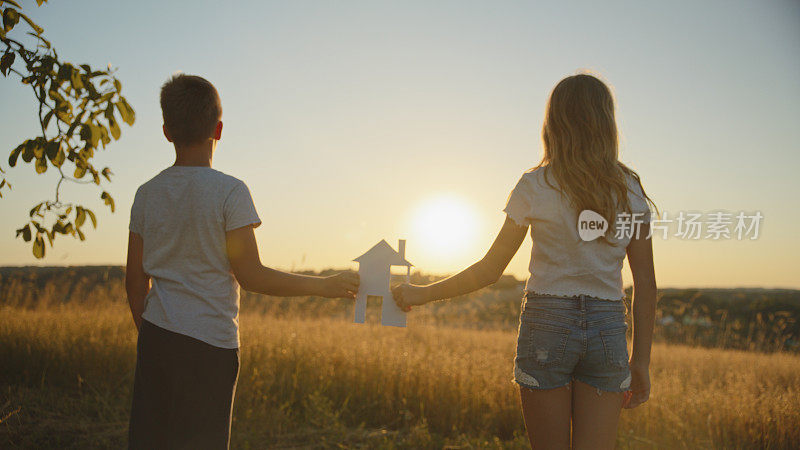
{"x":182,"y":392}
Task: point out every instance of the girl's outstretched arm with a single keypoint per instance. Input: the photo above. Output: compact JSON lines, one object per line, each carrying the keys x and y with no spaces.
{"x":479,"y":275}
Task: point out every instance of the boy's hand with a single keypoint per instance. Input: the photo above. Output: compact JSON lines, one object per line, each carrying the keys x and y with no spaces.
{"x":341,"y":285}
{"x":407,"y":295}
{"x":640,"y":385}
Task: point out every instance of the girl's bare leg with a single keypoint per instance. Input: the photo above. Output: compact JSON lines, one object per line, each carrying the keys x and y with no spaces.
{"x":547,"y":416}
{"x":594,"y":417}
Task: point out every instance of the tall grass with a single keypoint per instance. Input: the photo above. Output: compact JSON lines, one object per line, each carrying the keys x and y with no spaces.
{"x":66,"y":374}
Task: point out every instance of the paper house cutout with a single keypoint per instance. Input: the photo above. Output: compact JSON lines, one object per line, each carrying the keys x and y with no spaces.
{"x":374,"y":273}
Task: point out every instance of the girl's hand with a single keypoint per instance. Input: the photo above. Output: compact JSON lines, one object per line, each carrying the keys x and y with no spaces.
{"x":341,"y":285}
{"x":407,"y":295}
{"x":640,"y":385}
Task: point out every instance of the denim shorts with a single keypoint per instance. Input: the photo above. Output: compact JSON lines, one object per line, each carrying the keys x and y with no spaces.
{"x":566,"y":338}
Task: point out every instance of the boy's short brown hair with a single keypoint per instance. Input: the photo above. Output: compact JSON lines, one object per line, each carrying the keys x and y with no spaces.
{"x":191,"y":108}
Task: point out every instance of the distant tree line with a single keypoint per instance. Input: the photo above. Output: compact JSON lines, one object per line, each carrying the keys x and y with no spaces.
{"x":749,"y":319}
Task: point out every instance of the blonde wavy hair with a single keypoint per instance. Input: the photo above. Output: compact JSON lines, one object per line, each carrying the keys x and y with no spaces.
{"x":581,"y":148}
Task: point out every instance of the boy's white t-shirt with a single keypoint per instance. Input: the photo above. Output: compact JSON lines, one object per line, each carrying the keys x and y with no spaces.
{"x":562,"y":263}
{"x":182,"y":215}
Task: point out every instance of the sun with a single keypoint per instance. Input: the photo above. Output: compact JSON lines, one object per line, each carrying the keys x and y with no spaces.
{"x":445,"y":226}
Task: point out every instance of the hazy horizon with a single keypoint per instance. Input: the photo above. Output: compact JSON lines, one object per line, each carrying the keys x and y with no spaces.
{"x":426,"y":274}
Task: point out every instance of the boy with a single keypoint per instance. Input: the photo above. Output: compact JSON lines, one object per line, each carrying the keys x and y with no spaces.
{"x":191,"y":235}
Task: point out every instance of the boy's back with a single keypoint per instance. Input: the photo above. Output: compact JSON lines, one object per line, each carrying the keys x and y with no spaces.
{"x":190,"y":246}
{"x":182,"y":215}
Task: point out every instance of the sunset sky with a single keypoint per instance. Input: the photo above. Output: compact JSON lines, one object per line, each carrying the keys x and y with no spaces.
{"x":353,"y":122}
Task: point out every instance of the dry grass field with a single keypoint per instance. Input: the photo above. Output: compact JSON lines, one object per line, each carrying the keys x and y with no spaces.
{"x":66,"y":375}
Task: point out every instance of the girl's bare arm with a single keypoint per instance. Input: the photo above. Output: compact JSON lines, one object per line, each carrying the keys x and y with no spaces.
{"x":640,"y":258}
{"x":481,"y":274}
{"x":645,"y":296}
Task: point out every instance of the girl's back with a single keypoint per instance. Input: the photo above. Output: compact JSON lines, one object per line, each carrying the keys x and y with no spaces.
{"x":562,"y":263}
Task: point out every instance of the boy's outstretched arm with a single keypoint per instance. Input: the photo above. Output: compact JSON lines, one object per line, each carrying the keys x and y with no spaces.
{"x":137,"y":283}
{"x":253,"y":276}
{"x":479,"y":275}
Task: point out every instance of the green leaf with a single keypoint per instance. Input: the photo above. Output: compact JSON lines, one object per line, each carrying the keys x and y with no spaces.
{"x":115,"y":131}
{"x":75,"y":79}
{"x":63,"y":114}
{"x":92,"y":217}
{"x":28,"y":151}
{"x":35,"y":209}
{"x":80,"y":217}
{"x":79,"y":172}
{"x":90,"y":134}
{"x":53,"y":91}
{"x":41,"y":165}
{"x":10,"y":18}
{"x":64,"y":73}
{"x":38,"y":147}
{"x":38,"y":247}
{"x":97,"y":135}
{"x":47,"y":118}
{"x":107,"y":173}
{"x":86,"y":153}
{"x":51,"y":149}
{"x":59,"y":158}
{"x":48,"y":62}
{"x":108,"y":200}
{"x":125,"y":111}
{"x":12,"y":158}
{"x":6,"y":61}
{"x":104,"y":137}
{"x":25,"y":232}
{"x":85,"y":133}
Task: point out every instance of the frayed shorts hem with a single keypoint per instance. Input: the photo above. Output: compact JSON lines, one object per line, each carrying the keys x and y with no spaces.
{"x":599,"y":388}
{"x":537,"y":387}
{"x":574,"y":378}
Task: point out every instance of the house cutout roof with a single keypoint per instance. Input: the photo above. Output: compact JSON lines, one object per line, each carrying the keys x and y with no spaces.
{"x":382,"y":252}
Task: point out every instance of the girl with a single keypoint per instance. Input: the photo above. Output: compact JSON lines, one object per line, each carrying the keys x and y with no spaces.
{"x":572,"y":361}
